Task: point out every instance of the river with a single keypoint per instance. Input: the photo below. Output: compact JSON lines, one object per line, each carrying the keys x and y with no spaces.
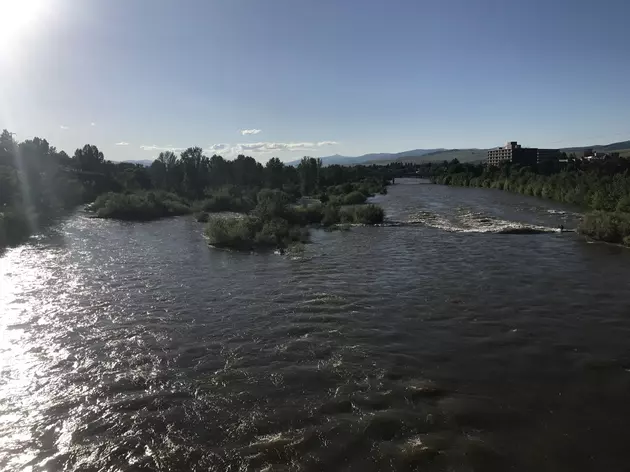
{"x":436,"y":342}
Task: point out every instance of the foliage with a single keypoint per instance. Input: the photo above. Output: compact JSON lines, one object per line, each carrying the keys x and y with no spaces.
{"x":309,"y":171}
{"x":612,"y":227}
{"x":362,"y":214}
{"x":597,"y":186}
{"x":37,"y":181}
{"x":272,"y":224}
{"x":252,"y":232}
{"x":140,"y":206}
{"x":89,"y":158}
{"x":35,"y":185}
{"x":331,"y":215}
{"x":202,"y":217}
{"x":603,"y":187}
{"x":307,"y":215}
{"x":228,"y":198}
{"x":275,"y":223}
{"x":354,"y":198}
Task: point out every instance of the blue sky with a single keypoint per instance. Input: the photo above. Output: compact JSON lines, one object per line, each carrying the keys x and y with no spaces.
{"x":315,"y":77}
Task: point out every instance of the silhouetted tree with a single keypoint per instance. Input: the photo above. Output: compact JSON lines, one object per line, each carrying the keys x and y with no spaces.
{"x":89,"y":158}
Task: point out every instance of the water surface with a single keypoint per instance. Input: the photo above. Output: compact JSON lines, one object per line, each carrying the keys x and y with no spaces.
{"x":436,"y":342}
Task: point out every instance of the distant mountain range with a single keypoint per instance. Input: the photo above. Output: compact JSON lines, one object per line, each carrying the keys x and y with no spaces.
{"x":474,"y":154}
{"x":462,"y":155}
{"x":415,"y":156}
{"x":418,"y":156}
{"x":383,"y":156}
{"x":142,"y":162}
{"x":613,"y":147}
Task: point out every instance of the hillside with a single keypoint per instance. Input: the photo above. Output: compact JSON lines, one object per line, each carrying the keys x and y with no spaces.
{"x":463,"y":155}
{"x":613,"y":147}
{"x":369,"y":158}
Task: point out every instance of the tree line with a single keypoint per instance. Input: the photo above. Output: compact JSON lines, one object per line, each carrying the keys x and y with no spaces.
{"x":39,"y":182}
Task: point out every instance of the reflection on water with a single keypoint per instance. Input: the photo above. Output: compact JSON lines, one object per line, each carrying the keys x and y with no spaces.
{"x":434,"y":343}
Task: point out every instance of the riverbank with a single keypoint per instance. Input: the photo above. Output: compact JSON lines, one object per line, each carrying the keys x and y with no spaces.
{"x":603,"y":191}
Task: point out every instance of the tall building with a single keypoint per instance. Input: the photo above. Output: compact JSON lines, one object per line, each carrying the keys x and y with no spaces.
{"x":513,"y":152}
{"x":547,"y":155}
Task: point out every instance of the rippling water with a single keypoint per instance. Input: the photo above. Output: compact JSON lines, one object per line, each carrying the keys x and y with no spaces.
{"x":436,"y":342}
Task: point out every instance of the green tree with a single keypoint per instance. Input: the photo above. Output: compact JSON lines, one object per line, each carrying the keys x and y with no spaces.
{"x":309,"y":170}
{"x":274,"y":173}
{"x":89,"y":158}
{"x":196,"y":168}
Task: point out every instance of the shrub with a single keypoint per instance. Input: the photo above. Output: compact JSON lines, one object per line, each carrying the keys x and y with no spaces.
{"x":228,"y":198}
{"x":623,"y":205}
{"x":612,"y":227}
{"x":230,"y":232}
{"x":354,"y":198}
{"x":272,"y":203}
{"x":362,"y":214}
{"x":140,"y":206}
{"x":272,"y":233}
{"x":202,"y":217}
{"x":220,"y":203}
{"x":251,"y":232}
{"x":330,"y":215}
{"x":306,"y":215}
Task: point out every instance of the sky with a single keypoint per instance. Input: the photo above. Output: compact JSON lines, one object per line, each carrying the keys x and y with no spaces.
{"x":288,"y":78}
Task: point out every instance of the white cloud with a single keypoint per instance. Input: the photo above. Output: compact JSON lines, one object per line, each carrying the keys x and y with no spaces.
{"x":271,"y":147}
{"x":247,"y":132}
{"x":153,"y":147}
{"x":63,"y":127}
{"x":122,"y":143}
{"x":217,"y":147}
{"x":92,"y":124}
{"x":243,"y":148}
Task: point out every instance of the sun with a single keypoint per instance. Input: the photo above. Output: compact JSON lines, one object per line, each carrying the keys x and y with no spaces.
{"x":19,"y":17}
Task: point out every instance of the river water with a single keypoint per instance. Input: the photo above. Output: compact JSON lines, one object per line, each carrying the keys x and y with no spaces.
{"x":437,"y":342}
